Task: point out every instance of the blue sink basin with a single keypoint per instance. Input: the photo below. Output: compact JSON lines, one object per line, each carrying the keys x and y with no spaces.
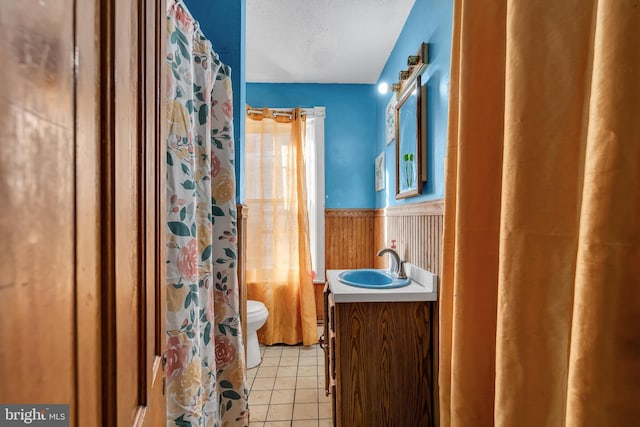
{"x":373,"y":279}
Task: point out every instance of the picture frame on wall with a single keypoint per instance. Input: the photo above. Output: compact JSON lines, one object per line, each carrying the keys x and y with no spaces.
{"x":390,"y":120}
{"x":380,"y":172}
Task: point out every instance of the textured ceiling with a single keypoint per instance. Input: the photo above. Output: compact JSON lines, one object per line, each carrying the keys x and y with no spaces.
{"x":321,"y":41}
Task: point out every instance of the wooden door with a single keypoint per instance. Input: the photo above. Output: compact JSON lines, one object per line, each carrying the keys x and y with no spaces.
{"x":37,"y":204}
{"x":133,"y":227}
{"x":82,"y":208}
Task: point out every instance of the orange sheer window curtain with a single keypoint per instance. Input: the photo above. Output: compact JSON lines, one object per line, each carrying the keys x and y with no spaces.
{"x":278,"y":250}
{"x":540,"y":301}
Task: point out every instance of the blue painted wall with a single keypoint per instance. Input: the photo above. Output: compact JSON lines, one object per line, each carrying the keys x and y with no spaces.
{"x":350,"y":134}
{"x":430,"y":21}
{"x":224,"y":23}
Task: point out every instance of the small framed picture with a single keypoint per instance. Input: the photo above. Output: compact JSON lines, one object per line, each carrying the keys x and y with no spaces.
{"x":380,"y":172}
{"x":390,"y":119}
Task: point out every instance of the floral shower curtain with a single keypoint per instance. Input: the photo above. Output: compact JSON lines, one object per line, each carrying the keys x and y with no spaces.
{"x":206,"y":383}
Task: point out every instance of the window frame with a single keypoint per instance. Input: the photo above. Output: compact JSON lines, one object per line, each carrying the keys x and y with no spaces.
{"x":316,"y":195}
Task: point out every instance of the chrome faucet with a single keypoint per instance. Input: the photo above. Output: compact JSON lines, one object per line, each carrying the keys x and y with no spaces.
{"x":397,"y":265}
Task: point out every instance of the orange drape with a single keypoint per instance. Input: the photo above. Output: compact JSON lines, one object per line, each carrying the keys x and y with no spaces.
{"x":540,"y":301}
{"x":278,"y":250}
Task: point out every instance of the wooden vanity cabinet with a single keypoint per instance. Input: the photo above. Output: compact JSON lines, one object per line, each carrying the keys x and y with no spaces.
{"x":378,"y":362}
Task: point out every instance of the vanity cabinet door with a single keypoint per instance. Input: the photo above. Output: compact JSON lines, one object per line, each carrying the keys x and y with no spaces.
{"x":383,"y":358}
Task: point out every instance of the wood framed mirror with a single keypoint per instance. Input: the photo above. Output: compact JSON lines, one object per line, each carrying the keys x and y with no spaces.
{"x":410,"y":135}
{"x":411,"y":126}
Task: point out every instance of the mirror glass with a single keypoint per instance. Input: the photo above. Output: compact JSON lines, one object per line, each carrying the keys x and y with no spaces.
{"x":410,"y":130}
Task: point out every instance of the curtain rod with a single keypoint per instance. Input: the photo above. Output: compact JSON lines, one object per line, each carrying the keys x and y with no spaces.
{"x":276,"y":113}
{"x":314,"y":112}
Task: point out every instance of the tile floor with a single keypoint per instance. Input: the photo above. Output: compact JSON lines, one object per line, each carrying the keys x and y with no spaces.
{"x":287,"y":388}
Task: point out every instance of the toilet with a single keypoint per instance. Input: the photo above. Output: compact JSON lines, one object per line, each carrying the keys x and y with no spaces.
{"x":257,"y":314}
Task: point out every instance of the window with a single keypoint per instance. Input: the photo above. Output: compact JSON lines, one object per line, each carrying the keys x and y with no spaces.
{"x":313,"y":152}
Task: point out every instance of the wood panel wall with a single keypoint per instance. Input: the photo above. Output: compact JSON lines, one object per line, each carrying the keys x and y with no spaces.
{"x":349,"y":238}
{"x":349,"y":243}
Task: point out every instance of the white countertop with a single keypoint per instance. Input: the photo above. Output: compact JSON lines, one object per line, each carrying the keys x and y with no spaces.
{"x":423,"y":287}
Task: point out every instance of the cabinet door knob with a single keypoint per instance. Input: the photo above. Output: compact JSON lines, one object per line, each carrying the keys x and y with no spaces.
{"x":164,"y":359}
